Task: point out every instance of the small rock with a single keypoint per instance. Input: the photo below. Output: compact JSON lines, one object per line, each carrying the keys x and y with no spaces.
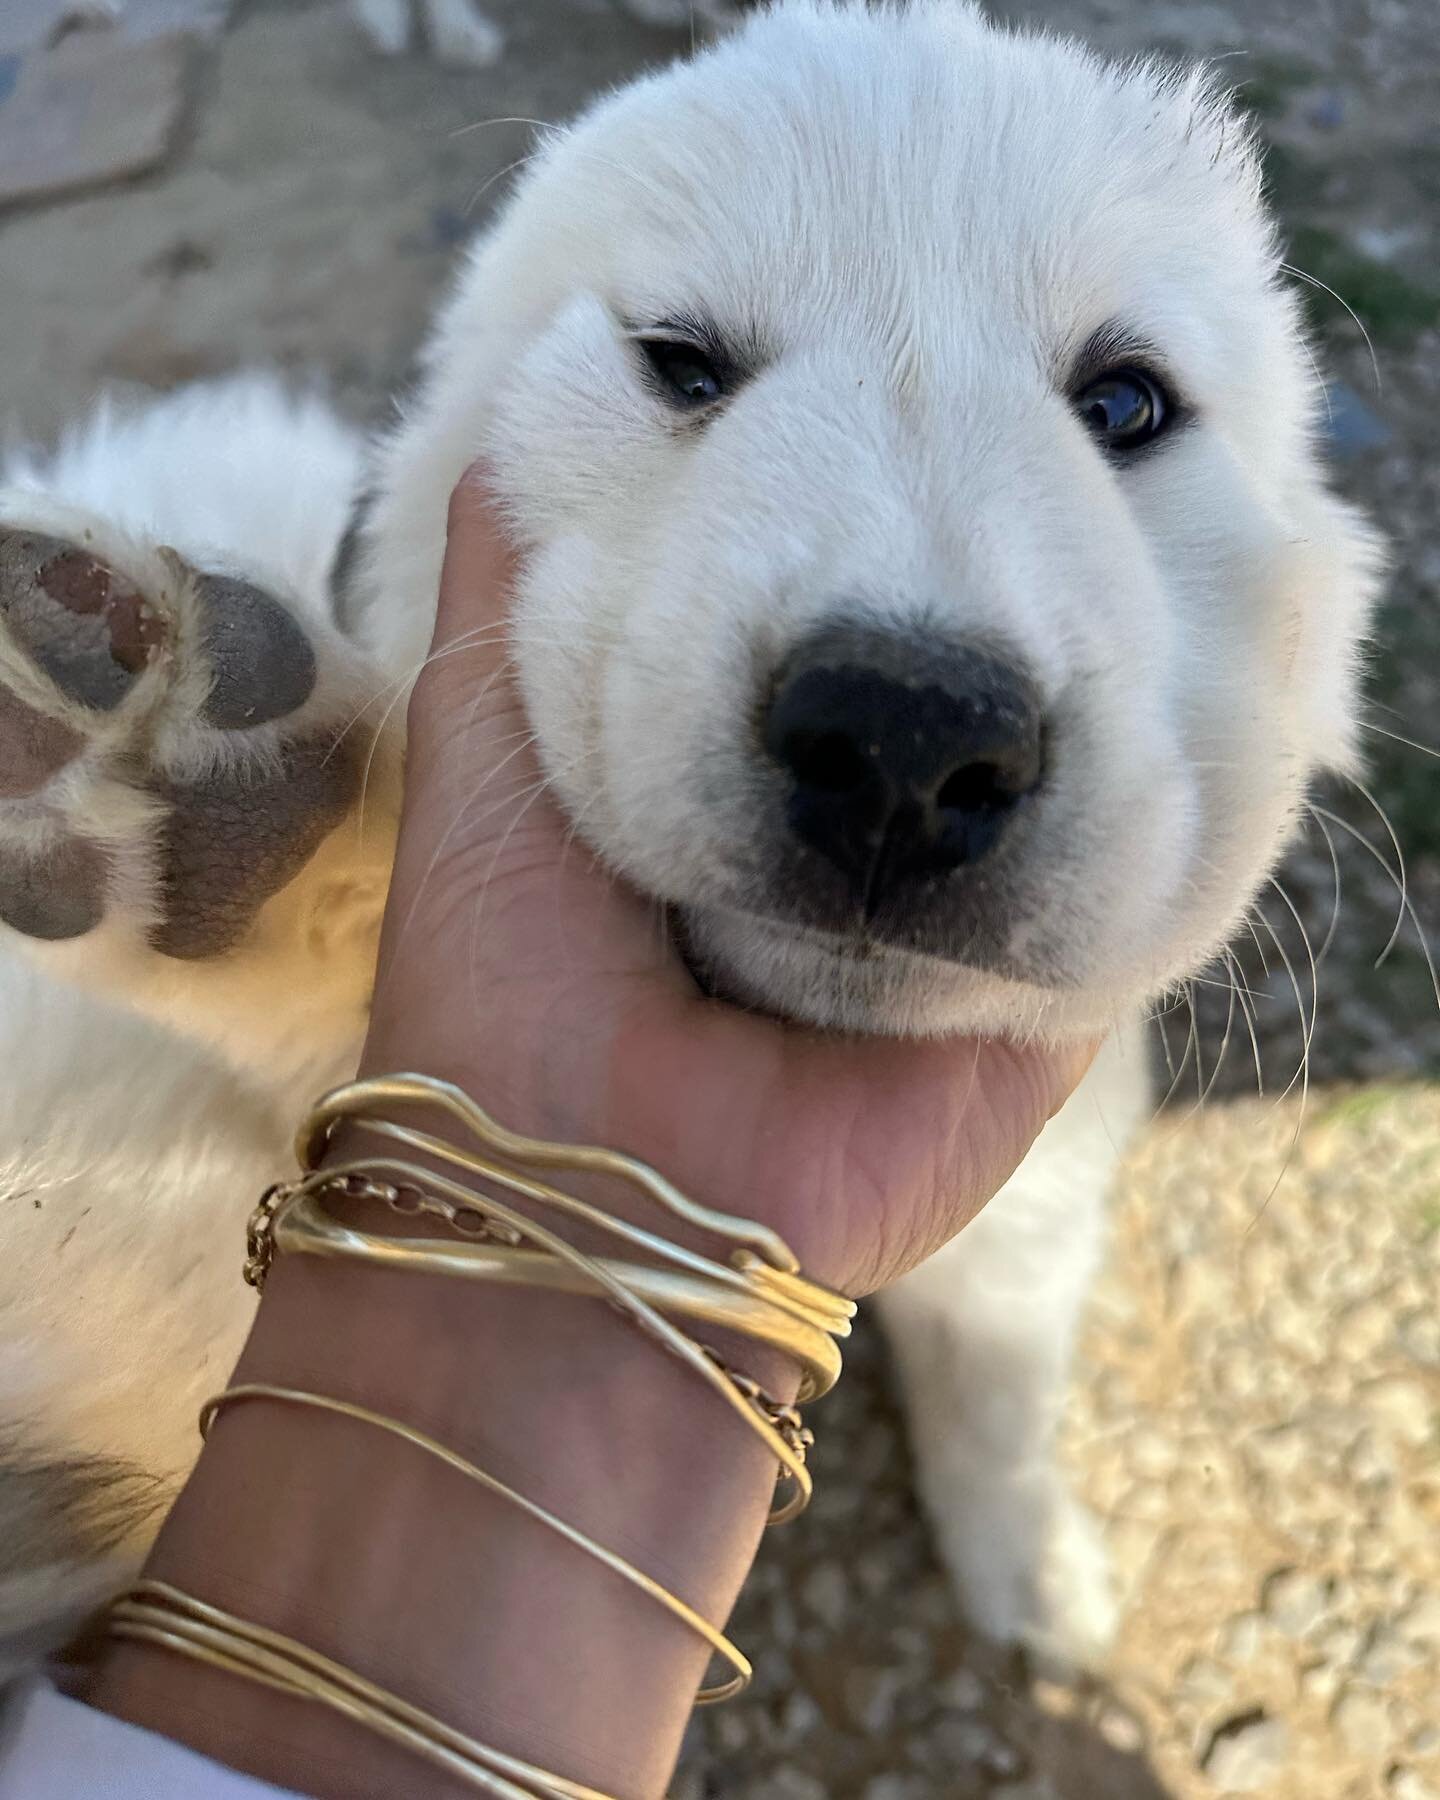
{"x":1372,"y":1461}
{"x":1246,"y":1753}
{"x":870,"y":1696}
{"x":87,"y":113}
{"x":1151,"y":1454}
{"x":897,"y":1787}
{"x":1300,"y":1329}
{"x":1295,"y":1602}
{"x":1326,"y":112}
{"x":1362,"y":1721}
{"x":971,"y":1744}
{"x":1405,"y":1784}
{"x":1204,"y":1683}
{"x":1362,"y":1329}
{"x":827,"y":1594}
{"x":1420,"y":1621}
{"x":1337,"y":1644}
{"x":732,"y":1731}
{"x":1241,"y":1639}
{"x":795,"y":1784}
{"x":1426,"y":1741}
{"x":800,"y":1715}
{"x":1320,"y":1681}
{"x":1387,"y":1656}
{"x":1036,"y":1788}
{"x":1121,"y":1730}
{"x":1401,"y":1406}
{"x":1280,"y":1453}
{"x":963,"y":1690}
{"x":1419,"y":1334}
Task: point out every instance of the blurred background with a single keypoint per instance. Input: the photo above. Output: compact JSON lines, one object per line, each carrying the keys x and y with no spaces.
{"x":199,"y":185}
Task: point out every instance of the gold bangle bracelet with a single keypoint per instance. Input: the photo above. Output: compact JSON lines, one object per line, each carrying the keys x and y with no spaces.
{"x":356,"y":1100}
{"x":323,"y":1231}
{"x":758,"y":1293}
{"x":304,"y":1226}
{"x":761,"y":1263}
{"x":153,"y":1612}
{"x":627,"y":1571}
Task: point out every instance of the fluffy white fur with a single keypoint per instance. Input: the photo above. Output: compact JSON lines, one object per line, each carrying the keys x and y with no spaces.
{"x":914,"y":220}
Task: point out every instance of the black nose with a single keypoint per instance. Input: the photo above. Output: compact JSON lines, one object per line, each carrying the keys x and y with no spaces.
{"x":906,"y":756}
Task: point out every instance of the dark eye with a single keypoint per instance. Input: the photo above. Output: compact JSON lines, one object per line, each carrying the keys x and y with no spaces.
{"x":1124,"y":409}
{"x":689,"y":377}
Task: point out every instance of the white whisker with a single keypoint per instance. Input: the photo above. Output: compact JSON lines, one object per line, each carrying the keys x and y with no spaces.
{"x":1315,"y":282}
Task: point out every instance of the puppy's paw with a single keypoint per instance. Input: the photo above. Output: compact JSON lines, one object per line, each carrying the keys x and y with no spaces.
{"x":169,"y":756}
{"x":1076,"y":1614}
{"x":1031,"y":1569}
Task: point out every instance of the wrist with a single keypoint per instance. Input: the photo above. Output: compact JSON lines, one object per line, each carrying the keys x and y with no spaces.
{"x":372,"y":1552}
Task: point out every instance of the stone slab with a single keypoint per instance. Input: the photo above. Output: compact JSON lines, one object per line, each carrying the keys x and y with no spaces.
{"x":27,"y":25}
{"x":93,"y":110}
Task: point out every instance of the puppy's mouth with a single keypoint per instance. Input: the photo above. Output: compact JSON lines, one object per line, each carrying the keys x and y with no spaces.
{"x":771,"y":964}
{"x":719,"y":979}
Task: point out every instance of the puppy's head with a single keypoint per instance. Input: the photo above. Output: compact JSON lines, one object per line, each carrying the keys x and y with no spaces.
{"x":932,"y":594}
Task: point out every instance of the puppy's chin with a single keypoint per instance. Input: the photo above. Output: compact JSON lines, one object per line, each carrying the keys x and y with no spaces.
{"x":858,"y":988}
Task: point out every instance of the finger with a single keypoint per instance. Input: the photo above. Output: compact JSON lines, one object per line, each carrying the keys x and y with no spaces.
{"x":494,"y":907}
{"x":464,"y":688}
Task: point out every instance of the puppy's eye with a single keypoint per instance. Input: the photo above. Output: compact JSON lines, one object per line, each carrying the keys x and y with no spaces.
{"x":1124,"y":409}
{"x":687,"y":375}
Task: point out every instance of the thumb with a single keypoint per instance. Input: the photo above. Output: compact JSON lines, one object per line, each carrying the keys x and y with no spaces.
{"x":495,"y":910}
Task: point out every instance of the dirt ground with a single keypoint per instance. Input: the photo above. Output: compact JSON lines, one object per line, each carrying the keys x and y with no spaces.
{"x":1256,"y":1422}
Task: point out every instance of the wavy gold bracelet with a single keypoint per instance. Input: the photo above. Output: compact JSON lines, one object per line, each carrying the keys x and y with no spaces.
{"x":758,"y":1293}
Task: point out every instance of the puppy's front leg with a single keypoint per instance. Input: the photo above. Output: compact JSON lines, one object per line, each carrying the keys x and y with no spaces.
{"x":181,"y":765}
{"x":983,"y":1336}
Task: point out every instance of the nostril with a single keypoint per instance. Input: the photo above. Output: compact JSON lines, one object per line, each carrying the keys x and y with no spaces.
{"x":980,"y":787}
{"x":994,"y":784}
{"x":828,"y":762}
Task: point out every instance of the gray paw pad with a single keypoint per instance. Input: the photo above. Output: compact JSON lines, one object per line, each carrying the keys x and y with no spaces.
{"x":59,"y":893}
{"x":232,"y":841}
{"x":32,"y":747}
{"x":84,"y":625}
{"x":261,"y":662}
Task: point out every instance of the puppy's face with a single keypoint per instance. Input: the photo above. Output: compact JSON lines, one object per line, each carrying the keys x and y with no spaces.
{"x":933,"y":596}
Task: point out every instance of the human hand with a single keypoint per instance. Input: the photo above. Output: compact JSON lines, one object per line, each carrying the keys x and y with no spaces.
{"x":516,"y":966}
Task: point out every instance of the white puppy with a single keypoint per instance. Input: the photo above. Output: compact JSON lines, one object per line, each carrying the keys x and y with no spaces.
{"x":932,"y":594}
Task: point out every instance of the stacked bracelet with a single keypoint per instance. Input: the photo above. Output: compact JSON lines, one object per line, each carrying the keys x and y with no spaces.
{"x":756,"y":1292}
